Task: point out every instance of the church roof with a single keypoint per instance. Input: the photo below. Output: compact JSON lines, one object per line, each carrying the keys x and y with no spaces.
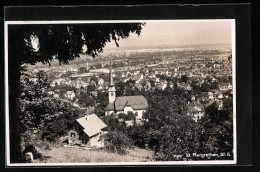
{"x":110,"y":107}
{"x":136,"y":102}
{"x":92,"y":124}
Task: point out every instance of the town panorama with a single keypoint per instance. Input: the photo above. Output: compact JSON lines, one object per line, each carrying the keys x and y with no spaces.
{"x":157,"y":97}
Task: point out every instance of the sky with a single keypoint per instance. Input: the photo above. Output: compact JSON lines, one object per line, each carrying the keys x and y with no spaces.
{"x":177,"y":34}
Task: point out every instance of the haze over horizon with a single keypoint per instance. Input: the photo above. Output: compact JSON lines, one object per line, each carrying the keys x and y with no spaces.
{"x":163,"y":35}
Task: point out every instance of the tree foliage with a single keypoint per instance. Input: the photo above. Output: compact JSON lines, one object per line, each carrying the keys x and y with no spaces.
{"x":50,"y":116}
{"x":117,"y":139}
{"x":64,"y":41}
{"x":85,"y":100}
{"x":170,"y":132}
{"x":29,"y":44}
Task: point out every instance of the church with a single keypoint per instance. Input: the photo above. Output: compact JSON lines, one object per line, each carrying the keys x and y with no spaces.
{"x":124,"y":104}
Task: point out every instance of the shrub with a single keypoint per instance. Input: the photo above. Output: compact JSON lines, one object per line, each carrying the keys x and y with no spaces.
{"x":117,"y":142}
{"x":32,"y":148}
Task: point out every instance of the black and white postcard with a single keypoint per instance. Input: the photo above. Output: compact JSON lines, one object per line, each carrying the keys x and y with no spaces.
{"x":115,"y":92}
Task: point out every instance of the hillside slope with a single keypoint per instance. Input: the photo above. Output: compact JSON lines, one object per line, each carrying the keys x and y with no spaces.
{"x":75,"y":155}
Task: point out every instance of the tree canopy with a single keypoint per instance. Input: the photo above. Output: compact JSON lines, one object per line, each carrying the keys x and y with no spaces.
{"x":40,"y":113}
{"x":64,"y":41}
{"x":31,"y":43}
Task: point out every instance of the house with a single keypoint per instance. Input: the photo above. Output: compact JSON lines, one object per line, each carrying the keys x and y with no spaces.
{"x":70,"y":95}
{"x":136,"y":104}
{"x":219,"y":104}
{"x":56,"y":96}
{"x":196,"y":110}
{"x":101,"y":81}
{"x":148,"y":84}
{"x":224,"y":86}
{"x":57,"y":82}
{"x":210,"y":96}
{"x":164,"y":85}
{"x":88,"y":131}
{"x":50,"y":93}
{"x":94,"y":93}
{"x":100,"y":87}
{"x":157,"y":79}
{"x":220,"y":95}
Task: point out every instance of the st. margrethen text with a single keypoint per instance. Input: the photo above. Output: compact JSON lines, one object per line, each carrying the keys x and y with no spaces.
{"x":199,"y":155}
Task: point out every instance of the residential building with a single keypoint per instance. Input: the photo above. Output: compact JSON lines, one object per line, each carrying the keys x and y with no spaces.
{"x":87,"y":131}
{"x":196,"y":110}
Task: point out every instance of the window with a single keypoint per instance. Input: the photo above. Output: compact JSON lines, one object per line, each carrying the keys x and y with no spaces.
{"x":112,"y":93}
{"x":72,"y":135}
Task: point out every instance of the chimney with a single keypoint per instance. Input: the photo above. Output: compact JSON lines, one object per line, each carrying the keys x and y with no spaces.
{"x":87,"y":117}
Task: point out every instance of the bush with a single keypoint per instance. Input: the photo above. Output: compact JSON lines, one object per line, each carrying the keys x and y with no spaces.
{"x":117,"y":142}
{"x":139,"y":135}
{"x":32,"y":148}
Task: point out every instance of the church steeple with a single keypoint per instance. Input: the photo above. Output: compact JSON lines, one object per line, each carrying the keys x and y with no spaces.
{"x":111,"y":82}
{"x":111,"y":89}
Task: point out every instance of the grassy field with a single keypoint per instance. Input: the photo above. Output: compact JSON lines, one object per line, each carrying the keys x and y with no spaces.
{"x":77,"y":155}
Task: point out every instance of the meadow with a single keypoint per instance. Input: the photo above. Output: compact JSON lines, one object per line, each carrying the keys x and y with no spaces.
{"x":78,"y":155}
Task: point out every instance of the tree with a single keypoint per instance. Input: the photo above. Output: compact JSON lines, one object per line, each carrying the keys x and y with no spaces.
{"x":94,"y":78}
{"x":139,"y":135}
{"x":178,"y":139}
{"x":152,"y":83}
{"x":120,"y":88}
{"x":117,"y":142}
{"x":41,"y":114}
{"x":58,"y":115}
{"x":50,"y":116}
{"x":204,"y":87}
{"x":214,"y":85}
{"x":184,"y":78}
{"x":91,"y":88}
{"x":219,"y":127}
{"x":63,"y":42}
{"x":34,"y":89}
{"x":86,"y":100}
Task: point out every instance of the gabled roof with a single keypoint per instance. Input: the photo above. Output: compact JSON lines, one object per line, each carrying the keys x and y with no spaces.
{"x":136,"y":102}
{"x":110,"y":107}
{"x":193,"y":104}
{"x":92,"y":124}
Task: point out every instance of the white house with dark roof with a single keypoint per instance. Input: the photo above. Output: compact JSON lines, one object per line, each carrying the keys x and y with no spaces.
{"x":124,"y":104}
{"x":87,"y":131}
{"x":195,"y":110}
